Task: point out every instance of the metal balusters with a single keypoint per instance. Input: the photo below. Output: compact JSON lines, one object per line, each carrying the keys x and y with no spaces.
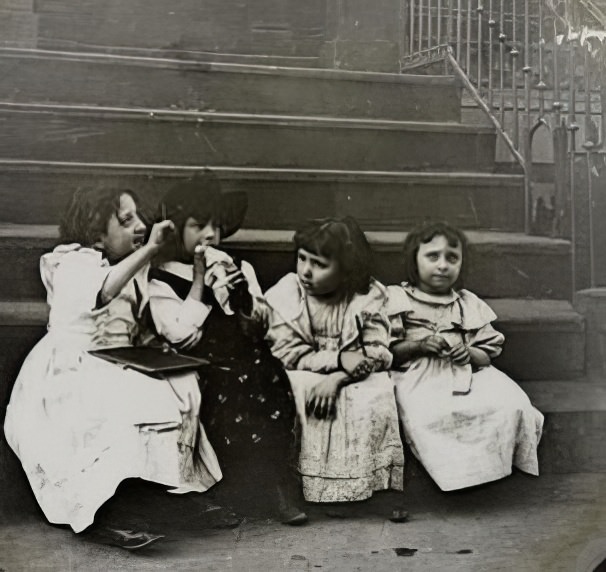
{"x":420,"y":25}
{"x":429,"y":24}
{"x":480,"y":11}
{"x":468,"y":40}
{"x":459,"y":24}
{"x":572,"y":129}
{"x":491,"y":26}
{"x":541,"y":86}
{"x":412,"y":26}
{"x":557,"y":101}
{"x":589,"y":145}
{"x":439,"y":24}
{"x":450,"y":23}
{"x":527,"y":69}
{"x":502,"y":38}
{"x":514,"y":76}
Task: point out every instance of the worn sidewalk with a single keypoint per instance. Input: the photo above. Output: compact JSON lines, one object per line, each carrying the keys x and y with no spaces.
{"x":552,"y":523}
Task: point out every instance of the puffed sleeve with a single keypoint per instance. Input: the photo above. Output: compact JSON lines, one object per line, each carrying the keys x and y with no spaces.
{"x":73,"y":280}
{"x":178,"y":321}
{"x":397,"y":306}
{"x":477,"y":321}
{"x":375,"y":338}
{"x":488,"y":340}
{"x":289,"y":336}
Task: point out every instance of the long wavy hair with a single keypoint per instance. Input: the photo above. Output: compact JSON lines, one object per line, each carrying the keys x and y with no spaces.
{"x":342,"y":240}
{"x":426,"y":233}
{"x":87,"y":215}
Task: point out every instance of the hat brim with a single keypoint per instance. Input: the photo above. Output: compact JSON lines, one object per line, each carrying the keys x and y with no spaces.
{"x":234,"y":205}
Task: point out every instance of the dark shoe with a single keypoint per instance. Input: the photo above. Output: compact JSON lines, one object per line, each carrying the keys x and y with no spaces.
{"x":288,"y":512}
{"x":128,"y":539}
{"x":293,"y":516}
{"x":220,"y":517}
{"x":399,"y":515}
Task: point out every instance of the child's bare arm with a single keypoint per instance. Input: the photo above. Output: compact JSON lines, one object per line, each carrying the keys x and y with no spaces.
{"x":122,"y":272}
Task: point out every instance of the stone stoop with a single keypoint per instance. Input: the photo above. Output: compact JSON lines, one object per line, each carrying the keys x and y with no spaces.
{"x":389,"y":149}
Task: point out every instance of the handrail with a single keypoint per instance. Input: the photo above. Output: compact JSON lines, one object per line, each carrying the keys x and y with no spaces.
{"x":529,"y":65}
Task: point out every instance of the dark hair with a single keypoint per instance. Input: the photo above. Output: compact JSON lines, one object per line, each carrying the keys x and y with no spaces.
{"x":426,"y":233}
{"x":340,"y":239}
{"x":88,"y":213}
{"x":199,"y":198}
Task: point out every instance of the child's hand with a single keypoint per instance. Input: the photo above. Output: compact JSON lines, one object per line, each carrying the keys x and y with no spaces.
{"x":435,"y":345}
{"x":460,"y":354}
{"x":159,"y":233}
{"x":239,"y":297}
{"x":199,"y":262}
{"x":354,"y":364}
{"x":322,"y":399}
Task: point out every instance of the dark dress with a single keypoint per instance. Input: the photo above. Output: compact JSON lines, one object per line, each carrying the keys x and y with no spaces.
{"x":248,"y":410}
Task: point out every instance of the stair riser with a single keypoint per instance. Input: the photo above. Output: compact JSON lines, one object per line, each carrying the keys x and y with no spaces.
{"x":199,"y":87}
{"x":284,"y":203}
{"x":140,"y":139}
{"x":572,"y":441}
{"x":543,"y":352}
{"x":538,"y":275}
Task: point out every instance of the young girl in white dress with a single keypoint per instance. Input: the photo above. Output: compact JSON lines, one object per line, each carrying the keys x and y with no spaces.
{"x":329,"y":328}
{"x":466,"y":421}
{"x":79,"y":424}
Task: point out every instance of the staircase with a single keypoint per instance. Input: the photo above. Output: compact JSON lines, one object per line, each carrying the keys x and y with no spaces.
{"x":390,"y":150}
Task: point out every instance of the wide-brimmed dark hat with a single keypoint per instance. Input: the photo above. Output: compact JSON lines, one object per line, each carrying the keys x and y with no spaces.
{"x":202,"y":195}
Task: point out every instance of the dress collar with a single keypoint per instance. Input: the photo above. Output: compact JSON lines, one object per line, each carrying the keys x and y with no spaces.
{"x":421,"y":296}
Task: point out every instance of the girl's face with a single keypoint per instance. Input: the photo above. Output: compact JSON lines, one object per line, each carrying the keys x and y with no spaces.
{"x":125,"y":230}
{"x":439,"y":265}
{"x":195,"y":233}
{"x":320,"y":276}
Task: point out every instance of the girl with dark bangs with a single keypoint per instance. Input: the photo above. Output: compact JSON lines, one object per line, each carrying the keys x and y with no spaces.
{"x":466,"y":421}
{"x":329,"y":328}
{"x":199,"y":296}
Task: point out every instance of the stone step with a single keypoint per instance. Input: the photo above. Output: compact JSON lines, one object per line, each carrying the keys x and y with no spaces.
{"x":575,"y":425}
{"x":544,"y":338}
{"x":109,"y":134}
{"x":502,"y":265}
{"x":575,"y":410}
{"x":43,"y":76}
{"x":282,"y":198}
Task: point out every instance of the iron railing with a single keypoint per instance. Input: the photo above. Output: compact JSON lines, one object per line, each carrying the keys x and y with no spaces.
{"x":531,"y":66}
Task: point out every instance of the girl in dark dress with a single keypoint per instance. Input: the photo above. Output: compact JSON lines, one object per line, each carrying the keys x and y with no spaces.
{"x":199,"y":297}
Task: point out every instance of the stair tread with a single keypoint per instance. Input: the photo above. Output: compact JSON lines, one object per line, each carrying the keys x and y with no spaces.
{"x":469,"y":178}
{"x":528,"y":311}
{"x":566,"y":396}
{"x":205,"y":66}
{"x":167,"y":114}
{"x":279,"y":239}
{"x":512,"y":310}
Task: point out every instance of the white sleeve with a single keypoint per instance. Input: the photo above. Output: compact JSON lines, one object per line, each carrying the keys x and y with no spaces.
{"x":77,"y":282}
{"x":178,"y":321}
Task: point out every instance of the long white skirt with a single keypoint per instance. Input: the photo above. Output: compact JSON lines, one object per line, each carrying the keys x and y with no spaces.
{"x":82,"y":425}
{"x":466,"y":440}
{"x":356,"y":453}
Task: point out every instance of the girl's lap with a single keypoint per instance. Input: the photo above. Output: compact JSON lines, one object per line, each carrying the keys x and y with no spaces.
{"x":430,"y":394}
